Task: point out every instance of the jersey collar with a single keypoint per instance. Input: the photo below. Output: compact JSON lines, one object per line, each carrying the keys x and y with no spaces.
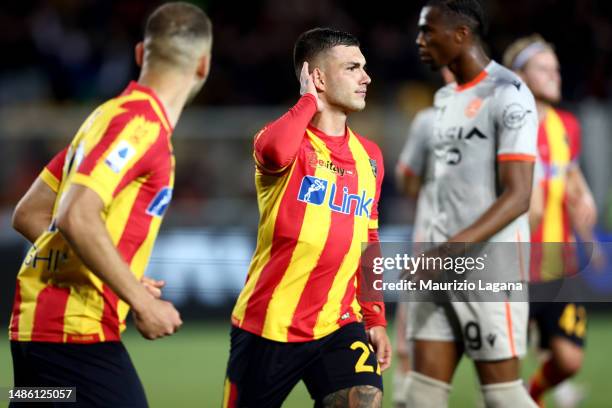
{"x":135,"y":86}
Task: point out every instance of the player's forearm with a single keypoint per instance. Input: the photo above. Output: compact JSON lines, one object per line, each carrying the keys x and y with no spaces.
{"x":31,"y":226}
{"x":407,"y":183}
{"x":509,"y":206}
{"x":88,"y":237}
{"x":277,"y":145}
{"x":32,"y":215}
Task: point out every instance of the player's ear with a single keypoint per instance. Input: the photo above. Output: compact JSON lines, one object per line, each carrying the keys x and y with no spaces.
{"x":461,"y":34}
{"x":203,"y":68}
{"x":139,"y":53}
{"x":319,"y":79}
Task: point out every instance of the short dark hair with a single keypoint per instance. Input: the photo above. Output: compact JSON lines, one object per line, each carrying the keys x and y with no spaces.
{"x":469,"y":12}
{"x":313,"y":42}
{"x":173,"y":28}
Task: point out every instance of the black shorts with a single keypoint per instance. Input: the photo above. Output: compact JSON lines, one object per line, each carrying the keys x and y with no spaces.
{"x":559,"y":319}
{"x":102,"y":373}
{"x":261,"y":372}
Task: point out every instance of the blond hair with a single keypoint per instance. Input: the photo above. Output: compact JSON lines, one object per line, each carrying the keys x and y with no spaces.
{"x":518,"y":53}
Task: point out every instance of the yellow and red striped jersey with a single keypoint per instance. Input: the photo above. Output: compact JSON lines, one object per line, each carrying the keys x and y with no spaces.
{"x":315,"y":213}
{"x":123,"y":152}
{"x":558,"y":149}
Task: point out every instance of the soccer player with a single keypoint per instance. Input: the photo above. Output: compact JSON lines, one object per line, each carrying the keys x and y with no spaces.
{"x":561,"y":200}
{"x":484,"y":148}
{"x":93,"y":215}
{"x":318,"y":185}
{"x":414,"y":179}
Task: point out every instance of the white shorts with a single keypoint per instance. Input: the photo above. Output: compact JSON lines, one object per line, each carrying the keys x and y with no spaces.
{"x":489,"y":331}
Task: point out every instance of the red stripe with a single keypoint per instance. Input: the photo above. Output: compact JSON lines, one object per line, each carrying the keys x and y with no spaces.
{"x":347,"y":300}
{"x":144,"y":164}
{"x":233,"y":396}
{"x":535,"y":269}
{"x":49,"y":314}
{"x":321,"y":278}
{"x":111,"y":134}
{"x":510,"y":332}
{"x":16,"y":312}
{"x":134,"y":234}
{"x":110,"y":317}
{"x":287,"y":227}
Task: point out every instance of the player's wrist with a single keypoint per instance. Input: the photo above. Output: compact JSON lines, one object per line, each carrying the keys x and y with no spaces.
{"x":310,"y":99}
{"x":141,"y":301}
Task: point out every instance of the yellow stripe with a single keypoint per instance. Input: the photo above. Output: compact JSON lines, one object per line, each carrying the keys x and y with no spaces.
{"x":310,"y":244}
{"x":30,"y":288}
{"x":226,"y":393}
{"x":84,"y":311}
{"x":140,"y":134}
{"x":49,"y":179}
{"x":327,"y":319}
{"x":270,"y":192}
{"x":552,"y":227}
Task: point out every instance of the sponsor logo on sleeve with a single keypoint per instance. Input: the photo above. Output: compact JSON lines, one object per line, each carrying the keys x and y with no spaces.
{"x":120,"y":156}
{"x":160,"y":202}
{"x":514,"y":116}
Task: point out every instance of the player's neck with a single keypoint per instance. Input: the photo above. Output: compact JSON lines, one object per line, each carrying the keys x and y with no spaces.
{"x":469,"y":64}
{"x":542,"y":107}
{"x":172,"y":89}
{"x":332,"y":123}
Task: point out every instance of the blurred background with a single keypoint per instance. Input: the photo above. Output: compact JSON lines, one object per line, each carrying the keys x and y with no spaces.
{"x":61,"y":58}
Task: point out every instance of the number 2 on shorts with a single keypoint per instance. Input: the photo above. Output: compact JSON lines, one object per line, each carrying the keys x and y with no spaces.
{"x":361,"y":366}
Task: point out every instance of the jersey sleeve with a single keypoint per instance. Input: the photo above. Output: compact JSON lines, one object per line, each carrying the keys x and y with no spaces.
{"x":52,"y":172}
{"x":516,"y":122}
{"x":413,"y":157}
{"x":119,"y":157}
{"x":370,"y":300}
{"x":277,"y":144}
{"x":378,"y":167}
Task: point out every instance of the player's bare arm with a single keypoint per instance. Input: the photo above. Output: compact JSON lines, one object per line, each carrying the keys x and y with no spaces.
{"x":382,"y":345}
{"x":515,"y":179}
{"x":583,"y":210}
{"x":536,"y":207}
{"x":80,"y":222}
{"x":32,"y":215}
{"x":407,"y":184}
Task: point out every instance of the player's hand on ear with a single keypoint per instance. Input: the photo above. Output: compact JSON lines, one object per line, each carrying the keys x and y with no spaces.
{"x":153,"y":286}
{"x":307,"y":85}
